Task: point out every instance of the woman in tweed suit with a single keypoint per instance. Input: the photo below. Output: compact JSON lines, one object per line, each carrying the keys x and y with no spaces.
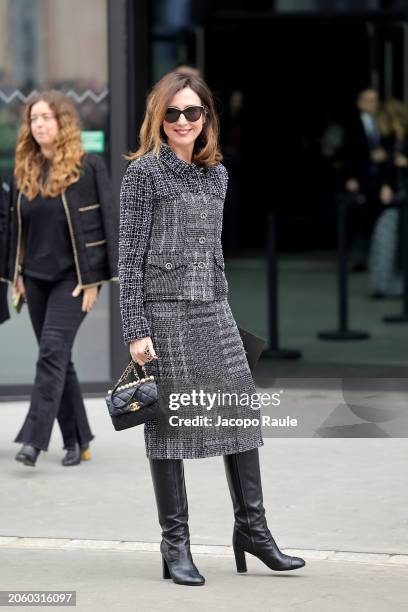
{"x":178,"y":323}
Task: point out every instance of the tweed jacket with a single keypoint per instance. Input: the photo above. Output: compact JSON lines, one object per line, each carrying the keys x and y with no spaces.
{"x":169,"y":235}
{"x":92,"y":221}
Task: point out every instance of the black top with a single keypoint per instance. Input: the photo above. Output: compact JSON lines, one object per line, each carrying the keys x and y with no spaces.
{"x":47,"y":244}
{"x":357,"y":147}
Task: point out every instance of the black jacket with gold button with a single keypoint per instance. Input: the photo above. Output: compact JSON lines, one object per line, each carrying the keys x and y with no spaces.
{"x":92,"y":220}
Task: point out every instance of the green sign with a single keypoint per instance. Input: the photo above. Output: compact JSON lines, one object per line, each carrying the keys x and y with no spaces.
{"x":93,"y":141}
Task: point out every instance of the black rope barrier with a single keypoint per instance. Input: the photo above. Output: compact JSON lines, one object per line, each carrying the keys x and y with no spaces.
{"x":273,"y":350}
{"x":343,"y":332}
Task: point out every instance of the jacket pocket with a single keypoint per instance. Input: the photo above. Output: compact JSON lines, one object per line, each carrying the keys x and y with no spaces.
{"x":164,"y":275}
{"x":97,"y":254}
{"x":91,"y":217}
{"x":89,"y":207}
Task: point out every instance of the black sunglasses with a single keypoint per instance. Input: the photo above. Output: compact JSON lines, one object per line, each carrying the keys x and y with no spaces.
{"x":191,"y":113}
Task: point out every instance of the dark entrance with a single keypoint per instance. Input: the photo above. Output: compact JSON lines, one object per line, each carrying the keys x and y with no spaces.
{"x":297,"y":77}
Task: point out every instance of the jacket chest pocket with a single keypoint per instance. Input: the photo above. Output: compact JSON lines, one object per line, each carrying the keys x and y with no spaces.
{"x":94,"y":236}
{"x":97,"y":254}
{"x":91,"y":218}
{"x":164,"y":275}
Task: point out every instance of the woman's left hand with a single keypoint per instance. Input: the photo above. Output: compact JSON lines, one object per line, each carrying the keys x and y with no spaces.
{"x":89,"y":297}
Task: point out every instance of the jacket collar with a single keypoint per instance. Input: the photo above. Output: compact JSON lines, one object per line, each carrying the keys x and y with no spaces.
{"x":168,"y":156}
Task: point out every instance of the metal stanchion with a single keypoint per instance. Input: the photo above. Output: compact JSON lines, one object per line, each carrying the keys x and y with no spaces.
{"x":403,"y":317}
{"x":343,"y":332}
{"x":273,"y":351}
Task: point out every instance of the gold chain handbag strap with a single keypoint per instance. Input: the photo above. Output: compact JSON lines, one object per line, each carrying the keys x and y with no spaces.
{"x":132,"y":366}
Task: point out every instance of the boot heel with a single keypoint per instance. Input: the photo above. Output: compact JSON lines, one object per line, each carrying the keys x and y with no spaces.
{"x":86,"y":455}
{"x":240,"y":559}
{"x":166,"y":573}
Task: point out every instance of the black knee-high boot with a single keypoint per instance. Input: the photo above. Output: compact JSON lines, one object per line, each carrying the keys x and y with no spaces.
{"x":251,"y":533}
{"x":172,"y":507}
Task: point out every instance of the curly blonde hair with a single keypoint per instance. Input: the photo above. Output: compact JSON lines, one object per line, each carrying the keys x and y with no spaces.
{"x":206,"y":152}
{"x":68,"y":150}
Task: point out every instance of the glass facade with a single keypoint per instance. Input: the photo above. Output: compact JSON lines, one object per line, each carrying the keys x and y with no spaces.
{"x":54,"y":44}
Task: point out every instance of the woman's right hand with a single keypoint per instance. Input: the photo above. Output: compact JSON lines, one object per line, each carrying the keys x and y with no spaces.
{"x":137,"y":353}
{"x":19,"y":286}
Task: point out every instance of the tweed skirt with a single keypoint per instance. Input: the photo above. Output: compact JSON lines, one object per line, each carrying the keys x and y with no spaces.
{"x":204,"y":382}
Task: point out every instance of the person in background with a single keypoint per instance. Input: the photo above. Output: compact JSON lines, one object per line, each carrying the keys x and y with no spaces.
{"x":366,"y":154}
{"x":385,"y":280}
{"x":4,"y":310}
{"x":231,"y":138}
{"x":63,"y":245}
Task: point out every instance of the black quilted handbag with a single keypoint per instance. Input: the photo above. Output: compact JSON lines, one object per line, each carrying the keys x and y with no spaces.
{"x":132,"y":402}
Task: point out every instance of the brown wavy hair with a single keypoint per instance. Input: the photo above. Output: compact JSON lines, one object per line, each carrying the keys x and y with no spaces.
{"x":68,"y":151}
{"x":206,"y":151}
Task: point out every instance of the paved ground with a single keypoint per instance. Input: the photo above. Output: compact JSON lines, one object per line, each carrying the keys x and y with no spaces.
{"x":339,"y":503}
{"x":131,"y":581}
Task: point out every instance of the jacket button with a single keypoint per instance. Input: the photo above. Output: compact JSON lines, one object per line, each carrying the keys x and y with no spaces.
{"x":201,"y":240}
{"x":201,"y":264}
{"x":203,"y":215}
{"x":169,"y":265}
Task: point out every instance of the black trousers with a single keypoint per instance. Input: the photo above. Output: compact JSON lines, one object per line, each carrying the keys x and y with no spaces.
{"x":56,"y":316}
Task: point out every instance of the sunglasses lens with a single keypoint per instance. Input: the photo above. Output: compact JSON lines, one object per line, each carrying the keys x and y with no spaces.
{"x":193,"y":113}
{"x":172,"y":115}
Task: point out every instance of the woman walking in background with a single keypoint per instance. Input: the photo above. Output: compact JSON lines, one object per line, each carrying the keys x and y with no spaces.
{"x":63,"y":246}
{"x":173,"y":298}
{"x":385,"y":278}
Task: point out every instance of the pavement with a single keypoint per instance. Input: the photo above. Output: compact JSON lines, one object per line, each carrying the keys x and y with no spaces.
{"x":340,"y":503}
